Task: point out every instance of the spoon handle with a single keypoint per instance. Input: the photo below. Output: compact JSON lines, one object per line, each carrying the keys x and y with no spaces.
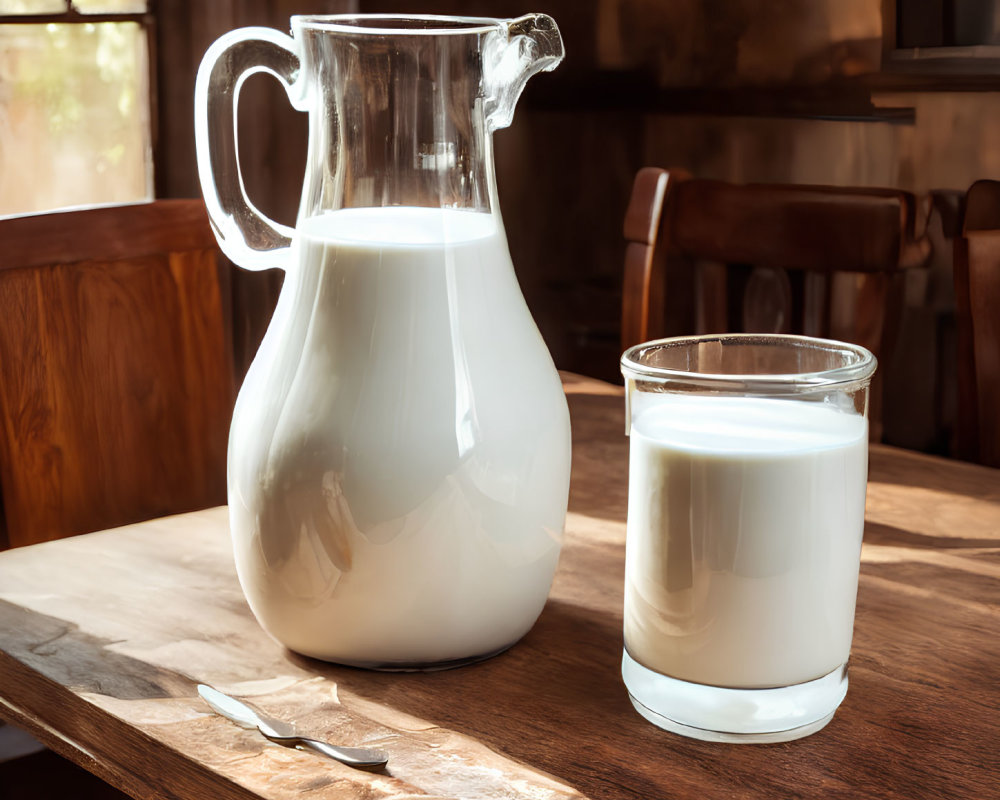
{"x":352,"y":756}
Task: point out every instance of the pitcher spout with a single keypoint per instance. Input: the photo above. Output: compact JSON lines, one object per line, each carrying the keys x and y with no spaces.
{"x":517,"y":50}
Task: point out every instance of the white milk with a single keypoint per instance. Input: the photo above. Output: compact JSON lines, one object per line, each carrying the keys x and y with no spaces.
{"x":399,"y":462}
{"x":744,"y":536}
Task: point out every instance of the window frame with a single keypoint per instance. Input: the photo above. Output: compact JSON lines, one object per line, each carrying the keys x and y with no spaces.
{"x":957,"y":68}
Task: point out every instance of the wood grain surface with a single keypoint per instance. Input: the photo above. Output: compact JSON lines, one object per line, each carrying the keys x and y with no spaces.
{"x":103,"y":638}
{"x":116,"y":383}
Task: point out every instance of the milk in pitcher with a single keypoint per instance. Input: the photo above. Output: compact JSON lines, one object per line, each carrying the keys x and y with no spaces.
{"x":410,"y":505}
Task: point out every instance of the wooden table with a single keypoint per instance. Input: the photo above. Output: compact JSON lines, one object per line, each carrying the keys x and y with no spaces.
{"x":103,"y":638}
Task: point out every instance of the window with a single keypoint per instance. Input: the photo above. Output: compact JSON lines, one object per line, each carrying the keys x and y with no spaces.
{"x":947,"y":23}
{"x":943,"y":44}
{"x":75,"y":114}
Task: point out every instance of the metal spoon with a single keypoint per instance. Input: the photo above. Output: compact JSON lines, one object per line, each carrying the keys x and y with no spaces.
{"x":284,"y":733}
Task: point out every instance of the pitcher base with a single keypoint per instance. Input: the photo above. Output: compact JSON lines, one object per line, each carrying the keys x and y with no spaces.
{"x":418,"y":666}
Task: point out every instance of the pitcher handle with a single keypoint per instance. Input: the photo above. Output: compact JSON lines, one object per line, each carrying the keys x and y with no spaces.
{"x":246,"y":236}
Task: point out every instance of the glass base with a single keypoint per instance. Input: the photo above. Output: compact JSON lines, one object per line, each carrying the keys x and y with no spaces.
{"x":748,"y":716}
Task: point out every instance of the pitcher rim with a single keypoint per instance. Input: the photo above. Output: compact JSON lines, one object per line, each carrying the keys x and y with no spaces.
{"x":358,"y":24}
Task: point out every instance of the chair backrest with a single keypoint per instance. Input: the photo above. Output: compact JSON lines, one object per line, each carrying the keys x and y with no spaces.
{"x":116,"y":383}
{"x":977,"y":316}
{"x":706,"y":256}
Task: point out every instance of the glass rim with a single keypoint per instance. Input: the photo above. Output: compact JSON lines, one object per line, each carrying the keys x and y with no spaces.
{"x":440,"y":24}
{"x":860,"y":371}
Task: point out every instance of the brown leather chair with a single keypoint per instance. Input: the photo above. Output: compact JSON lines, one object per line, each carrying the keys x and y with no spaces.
{"x":706,"y":256}
{"x":116,"y":381}
{"x":977,"y":317}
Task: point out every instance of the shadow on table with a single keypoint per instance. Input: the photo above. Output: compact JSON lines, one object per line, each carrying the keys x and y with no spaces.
{"x":63,"y":653}
{"x":882,"y":535}
{"x":599,"y":486}
{"x":943,"y":476}
{"x":564,"y":675}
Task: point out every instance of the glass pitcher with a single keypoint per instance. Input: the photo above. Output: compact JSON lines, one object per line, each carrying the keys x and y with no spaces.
{"x":399,"y":454}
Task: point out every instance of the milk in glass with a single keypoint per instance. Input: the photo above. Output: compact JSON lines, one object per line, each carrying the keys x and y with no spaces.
{"x":744,"y":534}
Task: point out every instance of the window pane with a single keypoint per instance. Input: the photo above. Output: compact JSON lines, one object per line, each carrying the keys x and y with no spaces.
{"x":976,"y":22}
{"x":74,"y":115}
{"x":32,"y":6}
{"x":109,"y":6}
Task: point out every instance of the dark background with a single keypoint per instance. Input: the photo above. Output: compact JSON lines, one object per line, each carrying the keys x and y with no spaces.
{"x":805,"y":91}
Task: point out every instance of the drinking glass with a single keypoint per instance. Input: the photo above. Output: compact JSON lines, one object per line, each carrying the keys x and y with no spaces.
{"x":747,"y":478}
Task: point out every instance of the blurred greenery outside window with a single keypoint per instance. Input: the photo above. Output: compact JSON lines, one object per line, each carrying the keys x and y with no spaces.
{"x":75,"y":115}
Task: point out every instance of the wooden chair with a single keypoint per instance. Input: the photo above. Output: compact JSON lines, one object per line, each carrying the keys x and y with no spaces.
{"x":977,"y":317}
{"x":707,"y":256}
{"x":116,"y":383}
